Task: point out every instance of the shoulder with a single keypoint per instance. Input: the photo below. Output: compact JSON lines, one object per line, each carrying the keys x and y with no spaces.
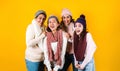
{"x":30,"y":26}
{"x":30,"y":29}
{"x":88,"y":35}
{"x":71,"y":24}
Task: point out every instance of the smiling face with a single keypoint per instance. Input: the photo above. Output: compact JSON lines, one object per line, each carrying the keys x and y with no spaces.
{"x":40,"y":19}
{"x":78,"y":28}
{"x":53,"y":24}
{"x":66,"y":19}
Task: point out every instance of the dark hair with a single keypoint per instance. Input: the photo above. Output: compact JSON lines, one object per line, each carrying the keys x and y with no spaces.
{"x":62,"y":25}
{"x":48,"y":29}
{"x":82,"y":20}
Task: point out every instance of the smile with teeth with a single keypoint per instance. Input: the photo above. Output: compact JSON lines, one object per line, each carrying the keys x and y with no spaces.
{"x":52,"y":26}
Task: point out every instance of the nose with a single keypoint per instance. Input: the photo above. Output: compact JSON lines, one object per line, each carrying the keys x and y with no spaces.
{"x":51,"y":23}
{"x":65,"y":19}
{"x":41,"y":20}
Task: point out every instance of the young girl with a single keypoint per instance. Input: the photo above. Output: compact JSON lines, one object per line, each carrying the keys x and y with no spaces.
{"x":84,"y":46}
{"x":67,"y":25}
{"x":54,"y":45}
{"x":34,"y":40}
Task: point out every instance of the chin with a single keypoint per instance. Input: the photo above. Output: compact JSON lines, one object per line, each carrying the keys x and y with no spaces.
{"x":52,"y":29}
{"x":78,"y":33}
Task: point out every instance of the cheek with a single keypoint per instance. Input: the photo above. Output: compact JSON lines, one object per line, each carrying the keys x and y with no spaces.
{"x":38,"y":20}
{"x":81,"y":28}
{"x":78,"y":30}
{"x":56,"y":25}
{"x":66,"y":20}
{"x":48,"y":25}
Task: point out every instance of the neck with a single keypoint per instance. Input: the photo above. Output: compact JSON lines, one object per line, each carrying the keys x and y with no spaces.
{"x":53,"y":31}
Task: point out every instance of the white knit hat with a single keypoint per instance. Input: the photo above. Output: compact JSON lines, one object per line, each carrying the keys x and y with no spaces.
{"x":65,"y":11}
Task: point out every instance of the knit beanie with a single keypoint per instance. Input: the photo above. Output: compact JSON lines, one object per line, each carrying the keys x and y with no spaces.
{"x":66,"y":12}
{"x":82,"y":20}
{"x":52,"y":16}
{"x":40,"y":12}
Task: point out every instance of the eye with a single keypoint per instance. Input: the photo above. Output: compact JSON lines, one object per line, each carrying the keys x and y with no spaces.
{"x":63,"y":17}
{"x":40,"y":18}
{"x":68,"y":16}
{"x":79,"y":25}
{"x":75,"y":25}
{"x":49,"y":21}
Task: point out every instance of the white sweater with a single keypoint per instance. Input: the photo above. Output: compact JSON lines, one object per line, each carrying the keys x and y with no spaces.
{"x":34,"y":41}
{"x":90,"y":49}
{"x":54,"y":48}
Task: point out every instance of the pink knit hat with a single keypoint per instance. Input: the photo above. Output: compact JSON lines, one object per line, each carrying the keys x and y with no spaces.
{"x":65,"y":11}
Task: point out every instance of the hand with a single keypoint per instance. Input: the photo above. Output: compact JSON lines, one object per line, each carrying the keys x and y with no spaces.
{"x":51,"y":70}
{"x":81,"y":67}
{"x":77,"y":66}
{"x":43,"y":34}
{"x":67,"y":35}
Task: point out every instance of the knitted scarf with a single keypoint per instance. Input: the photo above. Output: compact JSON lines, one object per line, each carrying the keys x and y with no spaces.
{"x":79,"y":46}
{"x":56,"y":37}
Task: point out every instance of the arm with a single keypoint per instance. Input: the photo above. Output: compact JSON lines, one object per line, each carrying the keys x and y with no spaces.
{"x":91,"y":47}
{"x":30,"y":37}
{"x":46,"y":61}
{"x":63,"y":49}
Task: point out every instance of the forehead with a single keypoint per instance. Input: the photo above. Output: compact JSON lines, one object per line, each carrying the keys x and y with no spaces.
{"x":78,"y":23}
{"x":41,"y":15}
{"x":66,"y":15}
{"x":52,"y":19}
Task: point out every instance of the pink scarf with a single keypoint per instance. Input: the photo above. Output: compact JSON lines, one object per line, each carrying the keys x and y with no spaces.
{"x":57,"y":37}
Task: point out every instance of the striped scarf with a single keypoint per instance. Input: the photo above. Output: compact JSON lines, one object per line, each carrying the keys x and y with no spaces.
{"x":57,"y":37}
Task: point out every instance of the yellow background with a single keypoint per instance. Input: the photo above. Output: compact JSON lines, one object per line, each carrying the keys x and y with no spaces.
{"x":103,"y":21}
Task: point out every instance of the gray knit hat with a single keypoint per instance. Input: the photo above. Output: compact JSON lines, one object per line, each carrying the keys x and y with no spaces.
{"x":40,"y":12}
{"x":52,"y":16}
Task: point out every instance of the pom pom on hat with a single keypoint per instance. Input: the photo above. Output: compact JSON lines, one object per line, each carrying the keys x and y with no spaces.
{"x":81,"y":20}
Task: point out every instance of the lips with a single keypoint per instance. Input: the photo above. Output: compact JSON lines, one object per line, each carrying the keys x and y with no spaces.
{"x":78,"y":31}
{"x":52,"y":26}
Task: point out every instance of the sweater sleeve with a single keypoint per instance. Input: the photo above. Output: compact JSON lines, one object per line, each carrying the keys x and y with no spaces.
{"x":46,"y":61}
{"x":91,"y":47}
{"x":30,"y":37}
{"x":63,"y":50}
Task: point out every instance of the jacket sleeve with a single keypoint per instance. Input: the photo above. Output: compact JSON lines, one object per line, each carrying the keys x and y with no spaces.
{"x":31,"y":40}
{"x":46,"y":61}
{"x":91,"y":47}
{"x":63,"y":50}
